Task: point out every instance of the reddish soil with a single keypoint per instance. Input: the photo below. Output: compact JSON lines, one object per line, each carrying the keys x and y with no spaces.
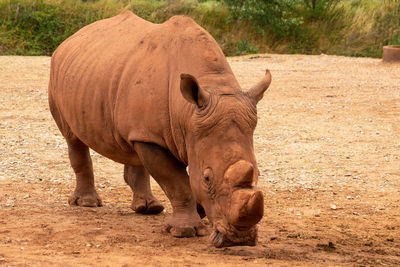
{"x":328,"y":149}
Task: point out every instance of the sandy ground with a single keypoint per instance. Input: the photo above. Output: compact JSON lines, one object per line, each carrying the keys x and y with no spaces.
{"x":328,"y":149}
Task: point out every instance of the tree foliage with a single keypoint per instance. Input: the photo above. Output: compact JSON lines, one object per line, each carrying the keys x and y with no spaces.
{"x":278,"y":16}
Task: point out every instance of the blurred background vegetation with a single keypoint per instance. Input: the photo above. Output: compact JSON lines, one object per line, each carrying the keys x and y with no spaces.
{"x":341,"y":27}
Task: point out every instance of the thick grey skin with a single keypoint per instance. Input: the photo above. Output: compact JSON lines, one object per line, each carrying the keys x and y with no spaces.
{"x":141,"y":95}
{"x":128,"y":140}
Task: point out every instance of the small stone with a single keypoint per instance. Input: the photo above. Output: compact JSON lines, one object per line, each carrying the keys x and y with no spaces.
{"x":333,"y":207}
{"x":88,"y":245}
{"x":368,"y":244}
{"x":10,"y":203}
{"x":26,"y":196}
{"x":349,"y":197}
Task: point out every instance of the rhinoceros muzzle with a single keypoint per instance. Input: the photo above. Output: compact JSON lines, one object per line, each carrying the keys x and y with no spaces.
{"x":245,"y":210}
{"x":230,"y":236}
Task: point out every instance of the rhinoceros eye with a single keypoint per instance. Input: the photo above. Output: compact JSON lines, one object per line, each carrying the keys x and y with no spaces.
{"x":207,"y":182}
{"x":207,"y":176}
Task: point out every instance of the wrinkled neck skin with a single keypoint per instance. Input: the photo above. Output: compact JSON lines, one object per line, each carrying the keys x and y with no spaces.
{"x":185,"y":115}
{"x":218,"y":137}
{"x":212,"y":128}
{"x":218,"y":148}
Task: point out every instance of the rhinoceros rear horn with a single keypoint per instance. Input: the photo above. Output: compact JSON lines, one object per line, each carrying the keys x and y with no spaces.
{"x":192,"y":92}
{"x":256,"y":93}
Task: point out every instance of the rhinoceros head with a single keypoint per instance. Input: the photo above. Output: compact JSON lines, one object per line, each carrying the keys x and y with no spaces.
{"x":222,"y":166}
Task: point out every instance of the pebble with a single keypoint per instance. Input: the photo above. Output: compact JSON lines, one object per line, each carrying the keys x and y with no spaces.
{"x":333,"y":207}
{"x":10,"y":203}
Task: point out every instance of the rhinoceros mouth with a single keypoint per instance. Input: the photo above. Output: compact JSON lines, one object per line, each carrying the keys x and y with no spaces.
{"x":230,"y":236}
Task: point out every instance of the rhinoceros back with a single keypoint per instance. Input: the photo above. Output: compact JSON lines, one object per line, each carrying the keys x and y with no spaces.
{"x":100,"y":86}
{"x":117,"y":81}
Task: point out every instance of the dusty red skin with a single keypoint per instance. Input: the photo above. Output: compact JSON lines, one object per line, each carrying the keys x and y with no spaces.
{"x":158,"y":98}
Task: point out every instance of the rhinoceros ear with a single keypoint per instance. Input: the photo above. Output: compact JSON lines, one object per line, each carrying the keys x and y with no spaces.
{"x":256,"y":93}
{"x":191,"y":90}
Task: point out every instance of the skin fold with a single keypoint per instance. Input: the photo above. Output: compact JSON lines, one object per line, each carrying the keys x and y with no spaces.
{"x":158,"y":98}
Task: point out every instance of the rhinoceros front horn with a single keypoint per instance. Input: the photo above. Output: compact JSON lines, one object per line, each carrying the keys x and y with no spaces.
{"x":247,"y":204}
{"x":247,"y":208}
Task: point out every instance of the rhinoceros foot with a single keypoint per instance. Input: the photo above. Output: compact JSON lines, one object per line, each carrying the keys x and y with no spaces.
{"x":85,"y":199}
{"x":185,"y":227}
{"x":146,"y":205}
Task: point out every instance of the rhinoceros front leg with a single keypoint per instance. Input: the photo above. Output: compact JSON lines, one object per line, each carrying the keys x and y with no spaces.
{"x":171,"y":175}
{"x":85,"y":194}
{"x":143,"y":199}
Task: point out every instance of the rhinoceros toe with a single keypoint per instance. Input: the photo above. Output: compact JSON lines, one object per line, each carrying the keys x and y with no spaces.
{"x":87,"y":199}
{"x":147,"y":205}
{"x":179,"y":229}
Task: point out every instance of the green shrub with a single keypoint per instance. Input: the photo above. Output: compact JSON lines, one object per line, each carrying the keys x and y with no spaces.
{"x":343,"y":27}
{"x":38,"y":27}
{"x":244,"y":47}
{"x":318,"y":9}
{"x":277,"y":16}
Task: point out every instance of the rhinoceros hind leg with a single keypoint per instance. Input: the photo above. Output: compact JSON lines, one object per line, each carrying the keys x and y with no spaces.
{"x":143,"y":199}
{"x":85,"y":194}
{"x":171,"y":175}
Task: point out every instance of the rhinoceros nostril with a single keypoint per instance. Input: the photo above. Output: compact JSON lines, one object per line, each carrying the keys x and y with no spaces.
{"x":255,"y":206}
{"x":240,"y":174}
{"x":217,"y":239}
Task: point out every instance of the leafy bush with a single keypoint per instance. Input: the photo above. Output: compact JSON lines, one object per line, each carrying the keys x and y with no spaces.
{"x":38,"y":27}
{"x":344,"y":27}
{"x":244,"y":47}
{"x":318,"y":9}
{"x":278,"y":16}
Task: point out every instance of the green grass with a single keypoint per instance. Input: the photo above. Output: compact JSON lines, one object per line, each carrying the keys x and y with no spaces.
{"x":347,"y":27}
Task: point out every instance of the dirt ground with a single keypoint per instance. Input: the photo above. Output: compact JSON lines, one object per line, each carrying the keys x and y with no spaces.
{"x":328,"y":149}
